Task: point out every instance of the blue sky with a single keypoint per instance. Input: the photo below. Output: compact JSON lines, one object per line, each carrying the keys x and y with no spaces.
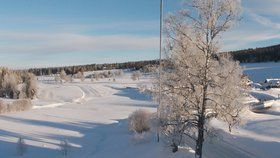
{"x":43,"y":33}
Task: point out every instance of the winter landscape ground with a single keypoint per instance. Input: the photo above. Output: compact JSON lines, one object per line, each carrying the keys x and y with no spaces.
{"x":92,"y":117}
{"x":139,"y":79}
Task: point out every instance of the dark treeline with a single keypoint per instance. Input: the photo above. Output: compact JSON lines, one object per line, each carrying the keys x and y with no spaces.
{"x":92,"y":67}
{"x":264,"y":54}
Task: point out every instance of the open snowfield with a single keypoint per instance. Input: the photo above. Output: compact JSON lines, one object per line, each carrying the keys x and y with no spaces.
{"x":258,"y":72}
{"x":92,"y":117}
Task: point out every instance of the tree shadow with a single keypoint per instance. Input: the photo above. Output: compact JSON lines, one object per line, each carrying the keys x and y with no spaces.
{"x":132,"y":93}
{"x":231,"y":146}
{"x":262,"y":96}
{"x":45,"y":144}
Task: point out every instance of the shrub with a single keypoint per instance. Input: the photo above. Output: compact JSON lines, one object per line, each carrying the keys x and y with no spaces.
{"x":9,"y":86}
{"x":136,"y":75}
{"x":139,"y":121}
{"x":57,"y":79}
{"x":3,"y":107}
{"x":80,"y":75}
{"x":29,"y":88}
{"x":20,"y":105}
{"x":63,"y":75}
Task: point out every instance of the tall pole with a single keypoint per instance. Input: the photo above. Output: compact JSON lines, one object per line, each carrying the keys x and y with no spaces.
{"x":159,"y":72}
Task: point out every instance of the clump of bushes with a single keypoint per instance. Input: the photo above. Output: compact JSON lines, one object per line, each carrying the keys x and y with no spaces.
{"x":105,"y":74}
{"x":136,"y":75}
{"x":29,"y":86}
{"x":139,"y":121}
{"x":17,"y":84}
{"x":17,"y":105}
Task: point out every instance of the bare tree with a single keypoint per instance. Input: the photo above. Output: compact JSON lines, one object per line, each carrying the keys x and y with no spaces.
{"x":197,"y":83}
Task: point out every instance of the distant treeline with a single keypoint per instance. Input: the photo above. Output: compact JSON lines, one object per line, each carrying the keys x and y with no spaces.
{"x":264,"y":54}
{"x":92,"y":67}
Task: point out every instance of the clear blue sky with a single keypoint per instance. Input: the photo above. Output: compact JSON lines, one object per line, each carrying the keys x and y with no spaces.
{"x":39,"y":33}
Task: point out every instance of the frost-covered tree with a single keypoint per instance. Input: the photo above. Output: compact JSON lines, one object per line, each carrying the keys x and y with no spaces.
{"x":63,"y":75}
{"x":30,"y":85}
{"x":80,"y":75}
{"x":197,"y":83}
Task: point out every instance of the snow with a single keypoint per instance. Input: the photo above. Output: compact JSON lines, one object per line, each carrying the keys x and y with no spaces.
{"x":259,"y":72}
{"x":92,"y":117}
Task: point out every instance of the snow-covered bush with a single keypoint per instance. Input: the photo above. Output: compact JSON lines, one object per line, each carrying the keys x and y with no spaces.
{"x":65,"y":77}
{"x":64,"y":147}
{"x":136,"y":75}
{"x":29,"y":88}
{"x":118,"y":73}
{"x":17,"y":84}
{"x":57,"y":79}
{"x":21,"y":147}
{"x":150,"y":69}
{"x":3,"y":107}
{"x":80,"y":75}
{"x":9,"y":86}
{"x":139,"y":121}
{"x":20,"y":105}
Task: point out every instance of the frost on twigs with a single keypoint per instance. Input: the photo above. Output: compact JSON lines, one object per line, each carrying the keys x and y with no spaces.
{"x":139,"y":121}
{"x":197,"y":82}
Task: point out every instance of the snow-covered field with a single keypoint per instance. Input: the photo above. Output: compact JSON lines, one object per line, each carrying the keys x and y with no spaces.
{"x":92,"y":117}
{"x":258,"y":72}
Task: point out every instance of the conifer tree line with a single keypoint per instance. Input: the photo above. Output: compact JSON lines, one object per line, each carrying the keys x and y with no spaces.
{"x":263,"y":54}
{"x":71,"y":70}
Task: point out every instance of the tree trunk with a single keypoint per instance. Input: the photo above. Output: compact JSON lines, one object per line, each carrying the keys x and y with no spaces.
{"x":200,"y":126}
{"x":200,"y":138}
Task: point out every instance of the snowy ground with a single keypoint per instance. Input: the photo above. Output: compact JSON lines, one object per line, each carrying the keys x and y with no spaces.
{"x":93,"y":118}
{"x":258,"y":72}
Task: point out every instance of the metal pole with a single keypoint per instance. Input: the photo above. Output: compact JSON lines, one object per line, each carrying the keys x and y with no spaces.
{"x":159,"y":72}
